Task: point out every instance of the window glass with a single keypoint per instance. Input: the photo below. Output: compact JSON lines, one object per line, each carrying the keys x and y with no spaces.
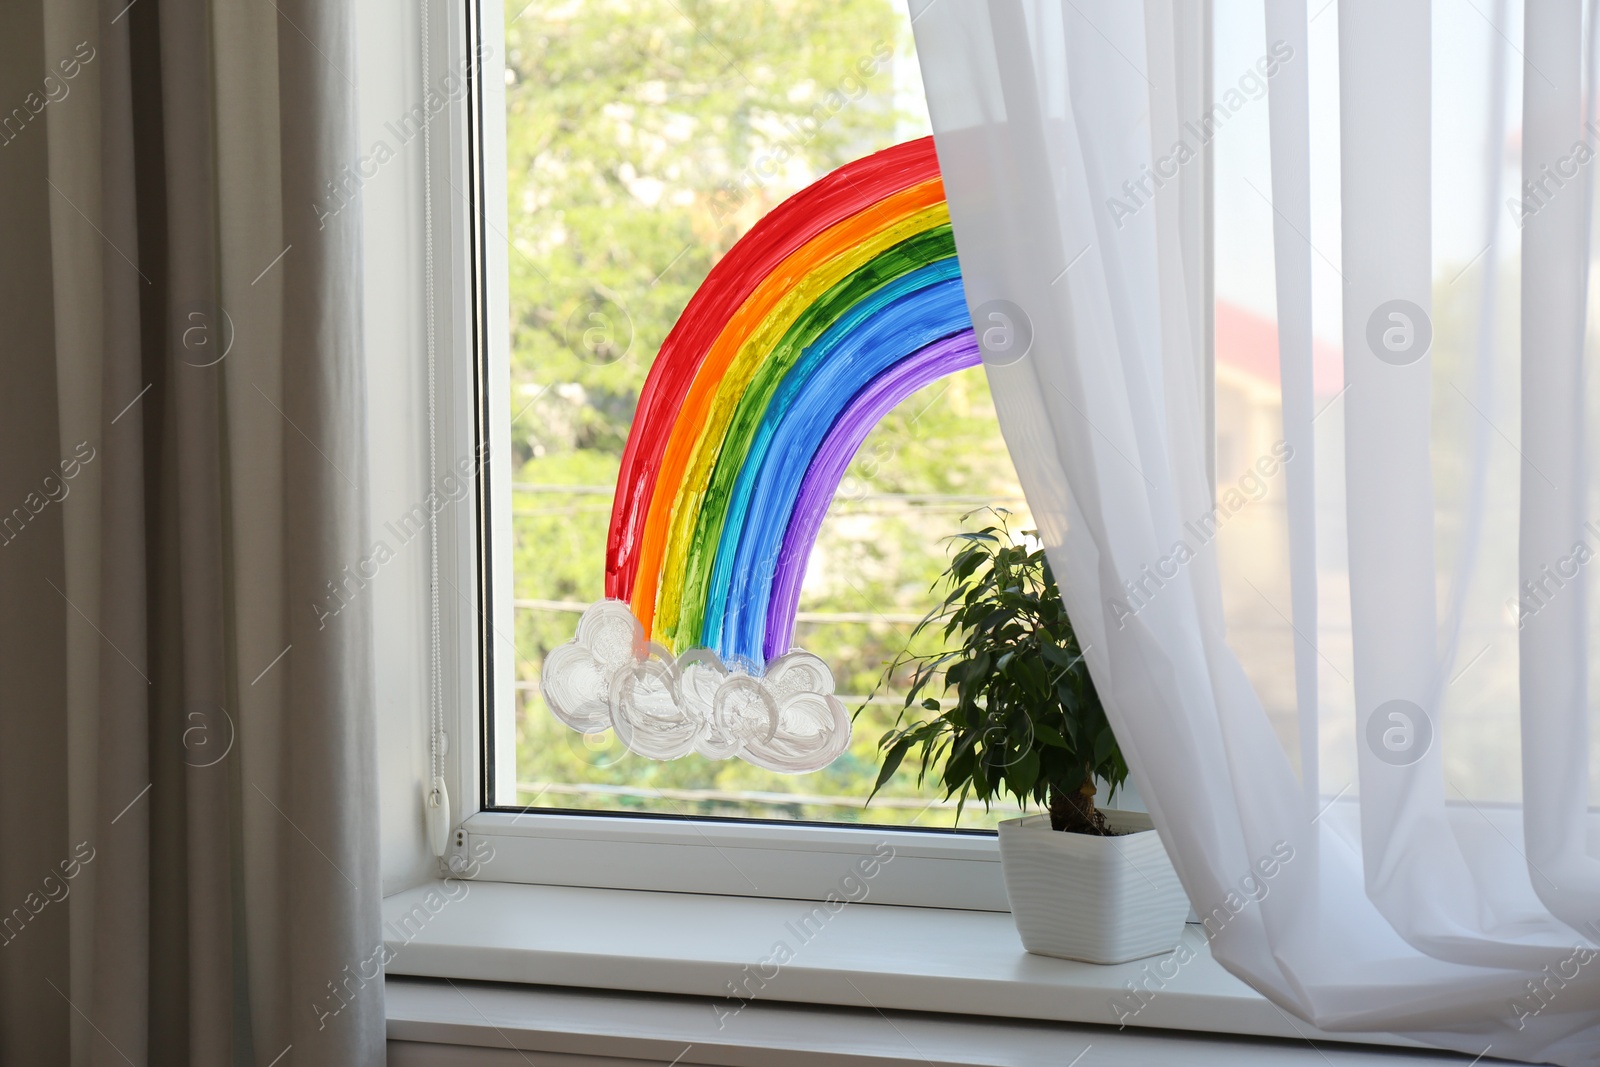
{"x":644,"y":138}
{"x":1475,"y":360}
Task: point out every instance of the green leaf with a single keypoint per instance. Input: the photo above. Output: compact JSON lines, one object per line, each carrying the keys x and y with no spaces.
{"x":891,"y":763}
{"x":959,"y":768}
{"x":1022,"y":774}
{"x":1104,"y":745}
{"x":1049,"y":735}
{"x":979,"y":664}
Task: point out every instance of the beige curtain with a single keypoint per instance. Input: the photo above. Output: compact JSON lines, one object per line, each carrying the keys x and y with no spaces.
{"x":188,"y":809}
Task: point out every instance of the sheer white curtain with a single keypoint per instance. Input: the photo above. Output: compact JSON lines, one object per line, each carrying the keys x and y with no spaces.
{"x":1044,"y":113}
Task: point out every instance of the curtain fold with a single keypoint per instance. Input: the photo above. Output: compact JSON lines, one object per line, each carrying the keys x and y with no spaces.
{"x":1058,"y":129}
{"x":1555,"y":686}
{"x":213,"y":891}
{"x":34,"y":1017}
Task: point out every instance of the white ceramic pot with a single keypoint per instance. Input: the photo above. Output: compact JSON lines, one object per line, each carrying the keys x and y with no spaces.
{"x":1089,"y":898}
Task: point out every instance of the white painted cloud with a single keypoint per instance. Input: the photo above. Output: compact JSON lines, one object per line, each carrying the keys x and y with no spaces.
{"x":609,"y":677}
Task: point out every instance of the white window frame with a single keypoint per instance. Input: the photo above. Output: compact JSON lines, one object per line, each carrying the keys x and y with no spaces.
{"x":676,"y":854}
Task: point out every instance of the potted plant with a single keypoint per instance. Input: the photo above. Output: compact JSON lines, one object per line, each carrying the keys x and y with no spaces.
{"x":1012,"y":710}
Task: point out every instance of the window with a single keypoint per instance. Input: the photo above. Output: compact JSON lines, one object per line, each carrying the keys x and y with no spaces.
{"x":643,"y":137}
{"x":603,"y":158}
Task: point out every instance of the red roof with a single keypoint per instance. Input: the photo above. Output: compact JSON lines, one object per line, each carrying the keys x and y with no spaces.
{"x":1249,"y":343}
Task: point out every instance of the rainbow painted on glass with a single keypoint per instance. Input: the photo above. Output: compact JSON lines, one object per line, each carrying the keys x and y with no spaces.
{"x":835,"y":307}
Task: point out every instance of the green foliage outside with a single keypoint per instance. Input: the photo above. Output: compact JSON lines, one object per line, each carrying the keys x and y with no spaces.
{"x":644,"y":137}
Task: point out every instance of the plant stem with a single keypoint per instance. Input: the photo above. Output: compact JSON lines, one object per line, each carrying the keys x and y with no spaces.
{"x":1074,"y":812}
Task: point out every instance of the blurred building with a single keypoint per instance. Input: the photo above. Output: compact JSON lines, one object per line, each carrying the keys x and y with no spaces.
{"x":1249,"y":406}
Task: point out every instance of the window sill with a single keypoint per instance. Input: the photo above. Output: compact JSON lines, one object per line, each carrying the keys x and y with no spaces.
{"x":433,"y":1023}
{"x":864,"y":956}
